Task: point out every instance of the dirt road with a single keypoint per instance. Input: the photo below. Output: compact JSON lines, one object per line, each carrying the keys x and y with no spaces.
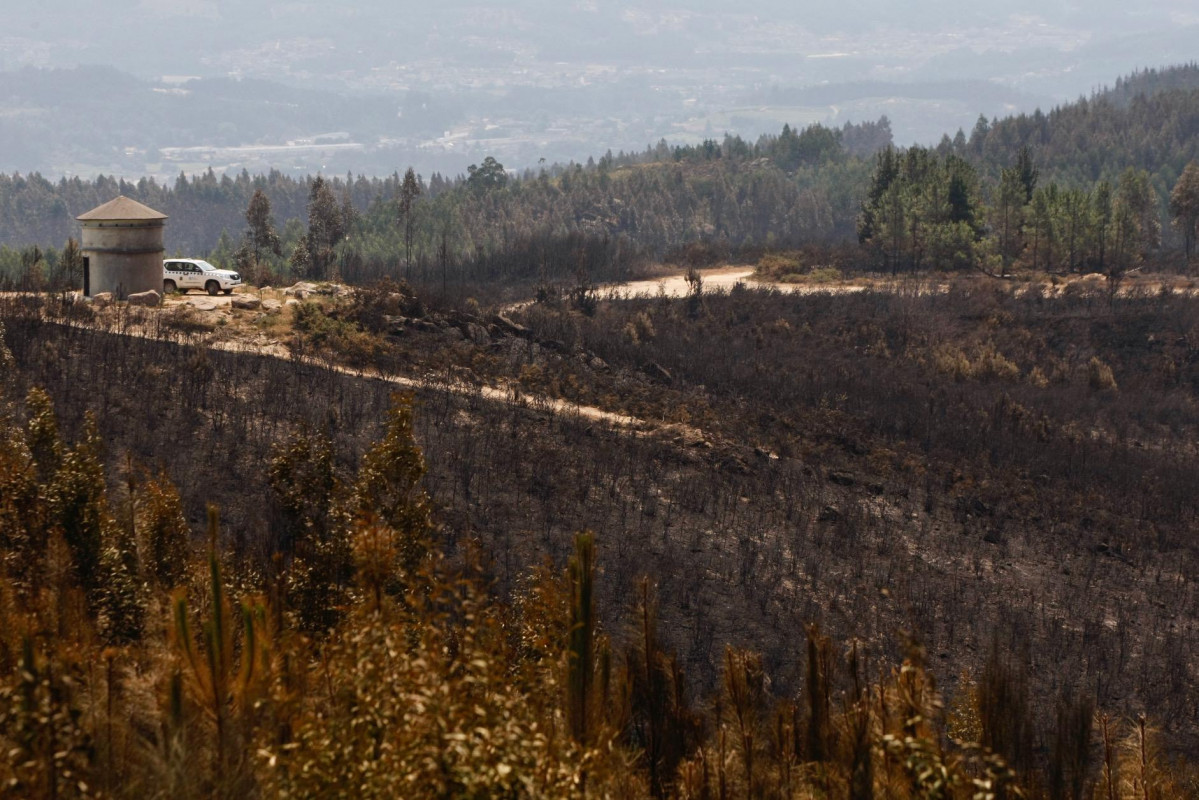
{"x":254,"y":342}
{"x":723,"y":279}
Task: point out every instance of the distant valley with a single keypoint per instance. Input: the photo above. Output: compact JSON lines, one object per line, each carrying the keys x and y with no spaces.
{"x":305,"y":88}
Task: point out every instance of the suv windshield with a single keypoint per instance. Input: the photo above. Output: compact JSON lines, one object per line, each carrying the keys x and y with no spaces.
{"x":205,"y":266}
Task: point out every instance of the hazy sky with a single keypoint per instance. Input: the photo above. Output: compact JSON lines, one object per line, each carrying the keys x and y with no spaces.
{"x":570,"y":78}
{"x":874,"y":39}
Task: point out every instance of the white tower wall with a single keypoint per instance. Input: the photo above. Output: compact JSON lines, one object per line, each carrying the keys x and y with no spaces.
{"x":123,"y":257}
{"x":122,"y":246}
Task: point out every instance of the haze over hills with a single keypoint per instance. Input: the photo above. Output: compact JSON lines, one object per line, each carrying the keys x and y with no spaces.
{"x":305,"y":87}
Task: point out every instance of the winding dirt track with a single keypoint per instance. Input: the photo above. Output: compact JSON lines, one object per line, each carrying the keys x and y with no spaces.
{"x":508,"y":393}
{"x":503,"y":394}
{"x":719,"y":279}
{"x":722,"y":279}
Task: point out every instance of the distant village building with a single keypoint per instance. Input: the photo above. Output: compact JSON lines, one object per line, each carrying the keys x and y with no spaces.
{"x":122,"y":248}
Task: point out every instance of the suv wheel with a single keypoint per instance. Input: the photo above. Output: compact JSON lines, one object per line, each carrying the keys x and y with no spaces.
{"x":169,"y":287}
{"x":213,"y":288}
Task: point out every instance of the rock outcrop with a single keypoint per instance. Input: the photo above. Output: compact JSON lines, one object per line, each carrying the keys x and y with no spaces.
{"x":148,"y":298}
{"x":246,"y":302}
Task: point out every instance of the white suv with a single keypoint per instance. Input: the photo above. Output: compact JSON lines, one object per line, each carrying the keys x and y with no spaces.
{"x":181,"y":274}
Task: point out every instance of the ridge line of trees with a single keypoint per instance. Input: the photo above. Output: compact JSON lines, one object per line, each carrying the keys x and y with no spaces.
{"x":924,"y":209}
{"x":604,"y":217}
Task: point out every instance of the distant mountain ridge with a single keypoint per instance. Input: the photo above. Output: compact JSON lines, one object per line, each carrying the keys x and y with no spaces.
{"x":1148,"y":120}
{"x":1184,"y":77}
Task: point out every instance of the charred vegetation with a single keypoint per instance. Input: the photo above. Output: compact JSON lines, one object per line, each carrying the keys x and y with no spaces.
{"x":958,"y":471}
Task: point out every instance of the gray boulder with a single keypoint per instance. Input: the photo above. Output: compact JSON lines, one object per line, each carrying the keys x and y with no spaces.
{"x":509,"y":327}
{"x":246,"y":302}
{"x":301,"y":290}
{"x":477,"y":333}
{"x":148,"y":298}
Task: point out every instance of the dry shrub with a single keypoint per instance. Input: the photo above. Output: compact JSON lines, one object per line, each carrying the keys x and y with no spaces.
{"x":986,"y":364}
{"x":341,"y":338}
{"x":1099,"y":376}
{"x":779,"y":266}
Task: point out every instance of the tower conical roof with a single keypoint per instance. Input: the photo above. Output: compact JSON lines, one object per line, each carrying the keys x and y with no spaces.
{"x":121,"y":208}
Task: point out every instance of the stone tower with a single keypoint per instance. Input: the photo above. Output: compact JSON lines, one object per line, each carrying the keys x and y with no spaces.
{"x":122,"y":248}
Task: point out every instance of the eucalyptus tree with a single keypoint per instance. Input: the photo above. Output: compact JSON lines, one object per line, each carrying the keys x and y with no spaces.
{"x":1184,"y":207}
{"x":410,"y":190}
{"x":261,"y":234}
